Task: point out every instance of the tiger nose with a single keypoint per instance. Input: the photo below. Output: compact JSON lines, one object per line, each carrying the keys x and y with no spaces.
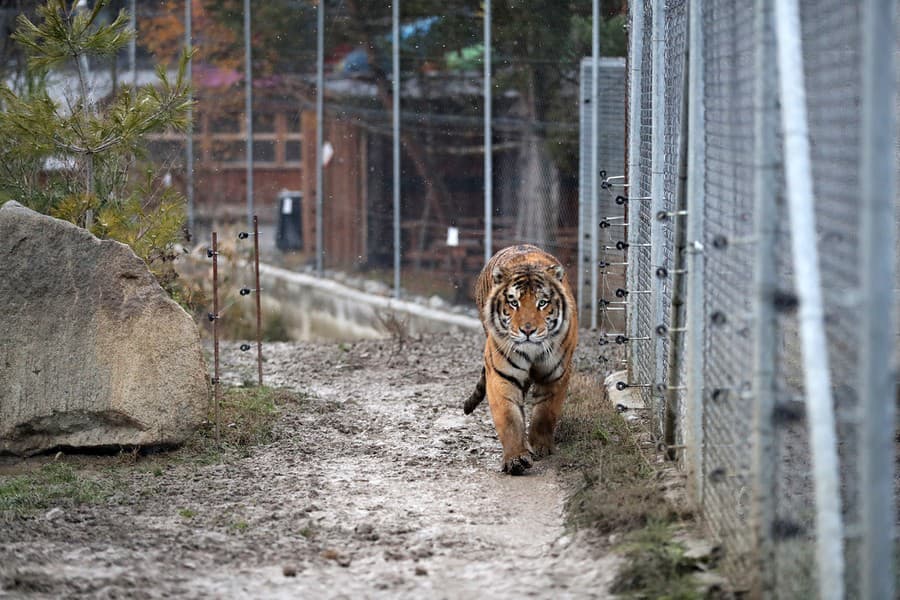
{"x":527,"y":329}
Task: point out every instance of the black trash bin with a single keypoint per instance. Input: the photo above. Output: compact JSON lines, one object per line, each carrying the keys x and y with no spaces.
{"x":289,"y":235}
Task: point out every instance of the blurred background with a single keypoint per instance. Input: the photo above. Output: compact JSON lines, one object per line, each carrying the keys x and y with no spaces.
{"x":537,"y":50}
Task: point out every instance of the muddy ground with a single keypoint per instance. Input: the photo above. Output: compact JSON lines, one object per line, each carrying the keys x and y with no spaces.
{"x":376,"y":486}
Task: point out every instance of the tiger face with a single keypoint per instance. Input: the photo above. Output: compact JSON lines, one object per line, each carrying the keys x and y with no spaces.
{"x":526,"y":305}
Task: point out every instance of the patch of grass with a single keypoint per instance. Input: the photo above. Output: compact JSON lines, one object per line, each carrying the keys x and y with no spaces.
{"x":187,"y":513}
{"x":54,"y":484}
{"x":617,"y":490}
{"x":656,"y":567}
{"x":240,"y":526}
{"x":247,"y":418}
{"x":615,"y":487}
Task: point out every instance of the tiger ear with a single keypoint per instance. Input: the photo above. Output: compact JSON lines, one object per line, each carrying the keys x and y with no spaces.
{"x":498,"y":275}
{"x":557,"y":271}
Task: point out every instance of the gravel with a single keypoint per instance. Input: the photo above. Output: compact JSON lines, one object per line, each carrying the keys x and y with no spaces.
{"x":376,"y":486}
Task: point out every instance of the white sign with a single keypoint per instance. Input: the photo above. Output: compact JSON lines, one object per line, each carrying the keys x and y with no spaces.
{"x":453,"y":236}
{"x":287,"y":205}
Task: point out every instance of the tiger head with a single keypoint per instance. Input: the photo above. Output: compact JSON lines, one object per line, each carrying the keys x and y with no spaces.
{"x":526,"y":305}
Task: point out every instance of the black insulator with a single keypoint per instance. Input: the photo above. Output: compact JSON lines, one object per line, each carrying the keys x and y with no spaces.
{"x":621,"y":339}
{"x":660,"y":388}
{"x":245,"y":291}
{"x":603,"y":341}
{"x":604,"y":224}
{"x":213,"y":380}
{"x":605,"y":185}
{"x":621,"y":200}
{"x":788,"y":412}
{"x":211,"y":316}
{"x":783,"y":529}
{"x":602,"y":358}
{"x":245,"y":347}
{"x":210,"y":253}
{"x":603,"y":302}
{"x":720,"y":242}
{"x":717,"y":475}
{"x":620,"y":407}
{"x":661,"y":330}
{"x":719,"y":394}
{"x":603,"y":264}
{"x":602,"y":173}
{"x":718,"y":318}
{"x":662,"y":272}
{"x":621,"y":292}
{"x":621,"y":245}
{"x":662,"y":216}
{"x":243,"y":235}
{"x":621,"y":385}
{"x":785,"y":301}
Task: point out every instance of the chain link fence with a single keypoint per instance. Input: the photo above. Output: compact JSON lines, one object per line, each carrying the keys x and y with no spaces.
{"x":746,"y":423}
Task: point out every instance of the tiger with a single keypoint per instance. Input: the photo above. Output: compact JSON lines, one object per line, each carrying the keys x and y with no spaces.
{"x":530,"y":321}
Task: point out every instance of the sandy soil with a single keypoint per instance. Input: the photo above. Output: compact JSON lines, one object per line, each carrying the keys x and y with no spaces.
{"x":378,"y":486}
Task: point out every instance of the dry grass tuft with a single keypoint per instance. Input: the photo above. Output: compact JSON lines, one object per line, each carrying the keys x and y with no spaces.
{"x":616,"y":488}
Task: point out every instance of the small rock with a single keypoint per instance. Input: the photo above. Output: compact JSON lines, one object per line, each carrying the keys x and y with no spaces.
{"x":53,"y":513}
{"x":289,"y":570}
{"x":421,"y":571}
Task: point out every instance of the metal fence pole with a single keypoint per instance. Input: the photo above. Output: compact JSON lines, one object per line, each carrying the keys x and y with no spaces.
{"x":248,"y":109}
{"x":876,"y":385}
{"x":132,"y":43}
{"x":693,"y":428}
{"x":320,"y":126}
{"x":488,"y":141}
{"x":595,"y":144}
{"x":395,"y":61}
{"x":765,"y":278}
{"x":189,"y":134}
{"x":816,"y":374}
{"x":636,"y":50}
{"x":658,"y":301}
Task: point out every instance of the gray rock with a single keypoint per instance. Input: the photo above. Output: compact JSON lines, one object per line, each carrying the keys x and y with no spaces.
{"x":93,"y":352}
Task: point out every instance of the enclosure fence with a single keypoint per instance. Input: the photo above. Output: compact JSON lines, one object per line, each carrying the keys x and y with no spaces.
{"x":761,"y":286}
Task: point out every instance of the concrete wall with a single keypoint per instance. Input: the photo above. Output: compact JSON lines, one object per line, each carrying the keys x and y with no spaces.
{"x":321,"y":309}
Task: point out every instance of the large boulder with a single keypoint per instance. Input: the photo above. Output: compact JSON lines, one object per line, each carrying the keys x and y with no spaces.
{"x":93,"y":353}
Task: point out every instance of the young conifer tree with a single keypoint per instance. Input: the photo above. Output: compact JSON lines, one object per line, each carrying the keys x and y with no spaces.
{"x":81,"y":157}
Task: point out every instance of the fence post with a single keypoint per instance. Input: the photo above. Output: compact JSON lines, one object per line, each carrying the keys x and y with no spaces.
{"x":816,"y":374}
{"x":488,"y":145}
{"x":765,"y":279}
{"x":636,"y":50}
{"x":595,"y":144}
{"x":395,"y":141}
{"x":248,"y":109}
{"x":695,"y":325}
{"x":657,"y":192}
{"x":320,"y":126}
{"x":877,"y":219}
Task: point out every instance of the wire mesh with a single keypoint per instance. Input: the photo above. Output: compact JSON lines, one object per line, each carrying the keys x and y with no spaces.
{"x":610,"y":160}
{"x":728,"y":95}
{"x":831,"y":42}
{"x":676,"y":46}
{"x":641,"y":353}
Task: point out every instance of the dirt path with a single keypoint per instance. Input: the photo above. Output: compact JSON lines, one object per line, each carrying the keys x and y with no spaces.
{"x":376,"y":486}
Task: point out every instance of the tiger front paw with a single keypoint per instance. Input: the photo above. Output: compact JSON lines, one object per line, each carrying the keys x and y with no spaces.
{"x":517,"y":464}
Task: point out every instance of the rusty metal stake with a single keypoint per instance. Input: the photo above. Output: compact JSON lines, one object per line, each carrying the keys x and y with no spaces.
{"x":215,"y":321}
{"x":258,"y":313}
